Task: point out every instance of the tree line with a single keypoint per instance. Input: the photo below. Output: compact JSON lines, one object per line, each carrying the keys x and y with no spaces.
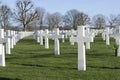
{"x":31,"y":18}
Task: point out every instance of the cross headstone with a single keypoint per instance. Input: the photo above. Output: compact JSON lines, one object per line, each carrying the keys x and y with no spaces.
{"x":103,"y":36}
{"x":71,"y":33}
{"x":2,"y":51}
{"x":8,"y":51}
{"x":55,"y":36}
{"x":88,"y":34}
{"x":80,"y":39}
{"x":17,"y":36}
{"x":66,"y":36}
{"x":116,"y":36}
{"x":63,"y":38}
{"x":118,"y":43}
{"x":11,"y":40}
{"x":37,"y":36}
{"x":41,"y":37}
{"x":107,"y":36}
{"x":46,"y":35}
{"x":14,"y":43}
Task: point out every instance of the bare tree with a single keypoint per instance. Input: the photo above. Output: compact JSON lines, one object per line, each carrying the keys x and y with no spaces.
{"x":69,"y":18}
{"x":117,"y":20}
{"x":74,"y":18}
{"x":25,"y":13}
{"x":81,"y":19}
{"x":48,"y":20}
{"x":56,"y":19}
{"x":112,"y":20}
{"x":53,"y":20}
{"x":99,"y":21}
{"x":5,"y":15}
{"x":41,"y":15}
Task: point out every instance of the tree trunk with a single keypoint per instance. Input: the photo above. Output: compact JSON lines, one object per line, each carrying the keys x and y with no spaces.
{"x":24,"y":27}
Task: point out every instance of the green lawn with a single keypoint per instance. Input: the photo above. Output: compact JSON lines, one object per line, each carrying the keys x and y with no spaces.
{"x":30,"y":61}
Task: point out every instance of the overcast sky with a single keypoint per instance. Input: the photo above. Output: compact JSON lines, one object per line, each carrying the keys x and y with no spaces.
{"x":90,"y":7}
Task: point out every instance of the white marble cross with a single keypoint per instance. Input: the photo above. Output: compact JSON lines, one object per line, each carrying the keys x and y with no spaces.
{"x":2,"y":51}
{"x":116,"y":36}
{"x":17,"y":36}
{"x":55,"y":36}
{"x":63,"y":38}
{"x":46,"y":34}
{"x":11,"y":40}
{"x":14,"y":35}
{"x":8,"y":51}
{"x":80,"y":39}
{"x":66,"y":36}
{"x":71,"y":33}
{"x":37,"y":36}
{"x":107,"y":32}
{"x":88,"y":34}
{"x":118,"y":50}
{"x":41,"y":37}
{"x":103,"y":36}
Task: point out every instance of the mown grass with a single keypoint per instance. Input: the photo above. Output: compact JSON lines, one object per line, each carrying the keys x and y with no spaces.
{"x":30,"y":61}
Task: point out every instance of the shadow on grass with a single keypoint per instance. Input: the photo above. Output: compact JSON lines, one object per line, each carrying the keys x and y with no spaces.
{"x":104,"y":67}
{"x":43,"y":56}
{"x":100,"y":54}
{"x":38,"y":65}
{"x":1,"y":78}
{"x":31,"y":54}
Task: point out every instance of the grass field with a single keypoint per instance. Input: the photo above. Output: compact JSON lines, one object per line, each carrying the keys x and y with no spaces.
{"x":30,"y":61}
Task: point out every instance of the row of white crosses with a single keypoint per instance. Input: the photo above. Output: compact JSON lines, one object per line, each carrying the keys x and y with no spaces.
{"x":54,"y":35}
{"x":62,"y":32}
{"x":96,"y":32}
{"x":88,"y":34}
{"x":39,"y":37}
{"x":116,"y":36}
{"x":9,"y":42}
{"x":36,"y":36}
{"x":105,"y":35}
{"x":81,"y":39}
{"x":71,"y":34}
{"x":66,"y":31}
{"x":115,"y":33}
{"x":2,"y":51}
{"x":91,"y":35}
{"x":23,"y":34}
{"x":11,"y":38}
